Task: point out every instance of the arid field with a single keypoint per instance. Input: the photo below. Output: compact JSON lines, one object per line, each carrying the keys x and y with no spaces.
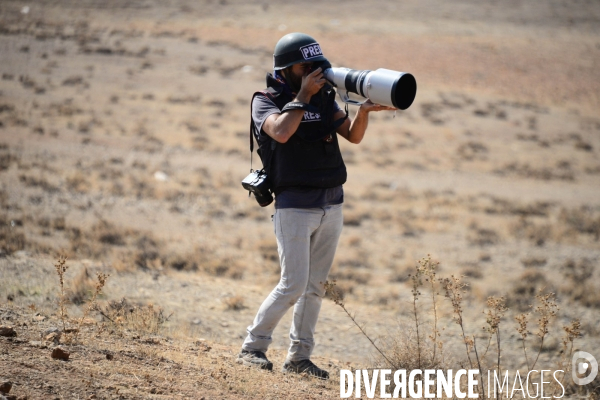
{"x":124,"y":138}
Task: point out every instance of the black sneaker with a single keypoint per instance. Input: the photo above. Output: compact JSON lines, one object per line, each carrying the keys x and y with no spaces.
{"x":304,"y":367}
{"x":254,"y":359}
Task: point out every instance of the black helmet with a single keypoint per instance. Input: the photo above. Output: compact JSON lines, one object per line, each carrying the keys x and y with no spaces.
{"x":295,"y":48}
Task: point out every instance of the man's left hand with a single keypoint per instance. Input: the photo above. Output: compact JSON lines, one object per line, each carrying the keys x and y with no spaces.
{"x":369,"y":106}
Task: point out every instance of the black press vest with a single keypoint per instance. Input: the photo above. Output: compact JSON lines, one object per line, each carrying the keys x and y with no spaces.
{"x":311,"y":158}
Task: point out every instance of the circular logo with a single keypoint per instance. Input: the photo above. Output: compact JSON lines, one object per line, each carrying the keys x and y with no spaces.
{"x":584,"y":368}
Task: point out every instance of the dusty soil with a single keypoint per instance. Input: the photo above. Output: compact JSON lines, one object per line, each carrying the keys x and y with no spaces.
{"x":123,"y":139}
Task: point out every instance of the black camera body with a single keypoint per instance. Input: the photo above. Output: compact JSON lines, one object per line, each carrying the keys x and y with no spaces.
{"x":324,"y":65}
{"x":257,"y":183}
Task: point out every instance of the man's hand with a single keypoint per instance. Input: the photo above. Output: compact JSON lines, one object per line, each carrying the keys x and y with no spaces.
{"x":311,"y":84}
{"x":354,"y":129}
{"x":369,"y":106}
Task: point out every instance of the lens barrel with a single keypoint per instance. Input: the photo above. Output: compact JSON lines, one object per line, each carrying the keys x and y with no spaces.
{"x":383,"y":86}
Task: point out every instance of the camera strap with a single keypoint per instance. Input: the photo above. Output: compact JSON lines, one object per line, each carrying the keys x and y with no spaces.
{"x":254,"y":136}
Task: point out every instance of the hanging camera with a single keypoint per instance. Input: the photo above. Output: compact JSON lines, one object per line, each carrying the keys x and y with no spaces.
{"x":257,"y":183}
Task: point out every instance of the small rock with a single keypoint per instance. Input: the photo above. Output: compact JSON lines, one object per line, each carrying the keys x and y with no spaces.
{"x":60,"y":354}
{"x":53,"y":337}
{"x":7,"y":331}
{"x":204,"y":347}
{"x":152,"y":340}
{"x":161,"y":176}
{"x":49,"y":331}
{"x":36,"y":343}
{"x":109,"y":356}
{"x":5,"y":387}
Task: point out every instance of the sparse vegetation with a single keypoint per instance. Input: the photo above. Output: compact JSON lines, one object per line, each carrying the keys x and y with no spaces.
{"x":407,"y":349}
{"x":123,"y":139}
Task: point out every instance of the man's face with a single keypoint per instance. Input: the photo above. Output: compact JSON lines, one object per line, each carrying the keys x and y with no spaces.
{"x":296,"y":72}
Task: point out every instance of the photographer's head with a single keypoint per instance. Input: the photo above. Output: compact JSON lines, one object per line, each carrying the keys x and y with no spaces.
{"x":294,"y":56}
{"x":294,"y":73}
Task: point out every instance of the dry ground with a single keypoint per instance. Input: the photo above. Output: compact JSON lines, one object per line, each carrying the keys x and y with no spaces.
{"x":123,"y":139}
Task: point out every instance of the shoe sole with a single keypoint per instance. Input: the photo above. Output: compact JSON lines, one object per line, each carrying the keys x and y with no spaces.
{"x":268,"y":366}
{"x":291,"y":371}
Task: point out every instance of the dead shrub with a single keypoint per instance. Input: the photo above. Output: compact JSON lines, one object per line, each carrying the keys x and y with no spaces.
{"x":530,"y":262}
{"x":107,"y":240}
{"x":353,"y":275}
{"x":32,"y":181}
{"x":584,"y":220}
{"x":225,"y":267}
{"x":180,"y":262}
{"x":11,"y":238}
{"x":147,"y":251}
{"x":354,"y":218}
{"x":59,"y":223}
{"x":6,"y":160}
{"x":526,"y":228}
{"x":507,"y":207}
{"x":142,"y":188}
{"x":472,"y":151}
{"x":77,"y":182}
{"x":145,"y":319}
{"x":146,"y":259}
{"x":472,"y":271}
{"x":525,"y":288}
{"x":402,"y":349}
{"x":111,"y":238}
{"x":341,"y":290}
{"x":483,"y":237}
{"x":579,"y":284}
{"x":412,"y":348}
{"x":234,"y":303}
{"x":81,"y":288}
{"x":387,"y":299}
{"x":402,"y":272}
{"x":526,"y":171}
{"x":89,"y":243}
{"x":268,"y":251}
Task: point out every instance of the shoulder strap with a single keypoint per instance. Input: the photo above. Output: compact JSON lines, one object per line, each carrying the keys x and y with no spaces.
{"x":271,"y":93}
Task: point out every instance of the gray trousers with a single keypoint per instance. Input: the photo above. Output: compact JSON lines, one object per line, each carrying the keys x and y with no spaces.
{"x":307,"y":240}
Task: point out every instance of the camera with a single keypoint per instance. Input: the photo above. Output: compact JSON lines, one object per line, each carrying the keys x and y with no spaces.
{"x":258,"y":184}
{"x":382,"y":86}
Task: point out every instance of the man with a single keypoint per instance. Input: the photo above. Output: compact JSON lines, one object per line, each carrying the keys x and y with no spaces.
{"x":295,"y":121}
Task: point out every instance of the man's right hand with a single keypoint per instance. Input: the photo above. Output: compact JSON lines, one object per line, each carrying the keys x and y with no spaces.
{"x":311,"y":84}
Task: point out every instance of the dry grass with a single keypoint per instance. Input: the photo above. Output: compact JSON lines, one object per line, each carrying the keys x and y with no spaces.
{"x":123,"y":316}
{"x":137,"y":366}
{"x":125,"y":353}
{"x":234,"y":303}
{"x":424,"y":346}
{"x":119,"y":148}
